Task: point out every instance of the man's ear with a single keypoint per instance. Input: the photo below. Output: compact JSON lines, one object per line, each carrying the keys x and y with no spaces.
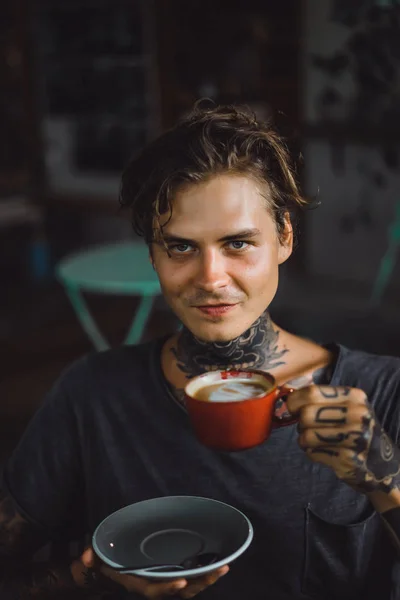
{"x":285,"y":248}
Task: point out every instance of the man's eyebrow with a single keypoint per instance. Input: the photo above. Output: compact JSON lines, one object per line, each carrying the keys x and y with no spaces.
{"x":235,"y":235}
{"x":177,"y":239}
{"x":243,"y":233}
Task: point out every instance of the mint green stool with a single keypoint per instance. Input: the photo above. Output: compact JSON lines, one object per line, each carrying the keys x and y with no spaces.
{"x":122,"y":268}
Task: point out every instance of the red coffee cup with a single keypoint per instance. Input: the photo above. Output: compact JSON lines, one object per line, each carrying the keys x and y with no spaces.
{"x":238,"y":424}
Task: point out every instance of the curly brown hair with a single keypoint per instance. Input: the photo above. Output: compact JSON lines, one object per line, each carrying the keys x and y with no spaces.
{"x":208,"y":142}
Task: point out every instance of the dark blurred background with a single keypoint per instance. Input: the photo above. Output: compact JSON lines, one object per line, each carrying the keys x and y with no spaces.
{"x":85,"y":83}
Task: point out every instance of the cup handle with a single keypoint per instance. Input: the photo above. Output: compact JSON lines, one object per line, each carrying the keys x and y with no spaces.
{"x":283,"y":391}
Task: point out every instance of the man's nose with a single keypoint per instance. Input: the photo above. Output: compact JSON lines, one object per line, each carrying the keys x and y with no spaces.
{"x":212,"y":271}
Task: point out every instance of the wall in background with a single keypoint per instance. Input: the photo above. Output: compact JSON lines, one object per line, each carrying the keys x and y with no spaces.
{"x":348,"y":234}
{"x":353,"y":168}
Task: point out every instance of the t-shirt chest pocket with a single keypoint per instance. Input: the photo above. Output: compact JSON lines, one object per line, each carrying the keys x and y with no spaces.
{"x":339,"y":556}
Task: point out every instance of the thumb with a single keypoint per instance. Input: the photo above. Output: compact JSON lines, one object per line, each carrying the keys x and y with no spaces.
{"x":89,"y":558}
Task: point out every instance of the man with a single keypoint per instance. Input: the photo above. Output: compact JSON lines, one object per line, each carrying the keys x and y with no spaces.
{"x":216,"y":200}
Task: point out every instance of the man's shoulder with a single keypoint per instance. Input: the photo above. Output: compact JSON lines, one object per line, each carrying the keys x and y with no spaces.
{"x":367,"y":365}
{"x":96,"y":373}
{"x":120,"y":357}
{"x":379,"y":377}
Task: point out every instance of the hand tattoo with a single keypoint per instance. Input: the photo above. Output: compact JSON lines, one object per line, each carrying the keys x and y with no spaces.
{"x":379,"y":467}
{"x":360,"y":437}
{"x":321,"y":418}
{"x":327,"y":451}
{"x":256,"y":348}
{"x":334,"y":392}
{"x":368,"y":459}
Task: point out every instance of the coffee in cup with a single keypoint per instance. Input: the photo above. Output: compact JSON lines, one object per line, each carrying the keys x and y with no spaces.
{"x":232,"y":390}
{"x":234,"y":410}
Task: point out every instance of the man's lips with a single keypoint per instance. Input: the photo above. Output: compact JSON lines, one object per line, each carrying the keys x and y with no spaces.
{"x":215,"y":309}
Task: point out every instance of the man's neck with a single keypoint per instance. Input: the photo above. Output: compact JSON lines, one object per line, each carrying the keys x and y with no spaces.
{"x":258,"y":348}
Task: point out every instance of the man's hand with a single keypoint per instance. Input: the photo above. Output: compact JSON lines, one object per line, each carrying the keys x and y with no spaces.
{"x":150,"y":589}
{"x":337,"y":427}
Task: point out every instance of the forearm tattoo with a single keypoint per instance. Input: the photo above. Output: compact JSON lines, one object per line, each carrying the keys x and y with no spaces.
{"x":256,"y":348}
{"x":331,"y":415}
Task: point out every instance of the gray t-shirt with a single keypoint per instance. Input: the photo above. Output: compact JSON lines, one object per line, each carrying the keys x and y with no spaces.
{"x":110,"y":434}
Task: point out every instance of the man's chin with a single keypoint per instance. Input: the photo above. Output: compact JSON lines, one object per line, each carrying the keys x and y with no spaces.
{"x":216,"y":333}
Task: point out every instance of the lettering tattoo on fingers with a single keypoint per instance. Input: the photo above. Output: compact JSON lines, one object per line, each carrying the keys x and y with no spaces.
{"x":341,"y":411}
{"x":321,"y":450}
{"x":334,"y":392}
{"x":379,"y":467}
{"x":360,"y":438}
{"x":331,"y":439}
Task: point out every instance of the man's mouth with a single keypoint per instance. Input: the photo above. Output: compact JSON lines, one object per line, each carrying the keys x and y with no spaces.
{"x":215,"y":310}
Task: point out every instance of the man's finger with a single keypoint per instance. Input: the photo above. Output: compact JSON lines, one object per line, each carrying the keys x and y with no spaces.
{"x":157,"y":591}
{"x":200,"y":584}
{"x":354,"y":437}
{"x":145,"y":587}
{"x":333,"y":415}
{"x":315,"y":394}
{"x":90,"y":559}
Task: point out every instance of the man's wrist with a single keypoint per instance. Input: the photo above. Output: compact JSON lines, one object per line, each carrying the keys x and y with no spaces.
{"x":92,"y":579}
{"x":78,"y":571}
{"x":87,"y":578}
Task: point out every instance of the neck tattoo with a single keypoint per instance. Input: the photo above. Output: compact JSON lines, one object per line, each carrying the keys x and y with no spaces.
{"x":256,"y":348}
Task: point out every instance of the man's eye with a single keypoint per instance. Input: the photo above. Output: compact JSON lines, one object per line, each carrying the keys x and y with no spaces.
{"x":238,"y":245}
{"x":180,"y":248}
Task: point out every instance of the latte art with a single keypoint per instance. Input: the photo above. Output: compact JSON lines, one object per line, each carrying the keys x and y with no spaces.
{"x":231,"y":391}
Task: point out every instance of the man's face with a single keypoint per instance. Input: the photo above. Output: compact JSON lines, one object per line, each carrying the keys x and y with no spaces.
{"x":225,"y":252}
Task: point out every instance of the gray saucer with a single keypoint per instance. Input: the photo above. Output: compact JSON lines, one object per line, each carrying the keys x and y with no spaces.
{"x":171,"y":542}
{"x":170,"y":530}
